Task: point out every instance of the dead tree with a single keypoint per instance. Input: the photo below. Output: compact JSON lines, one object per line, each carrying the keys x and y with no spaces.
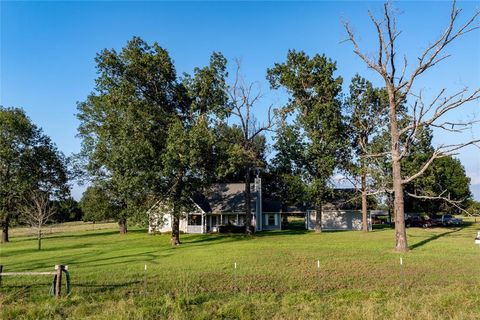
{"x":398,"y":83}
{"x":243,"y":97}
{"x":37,"y":212}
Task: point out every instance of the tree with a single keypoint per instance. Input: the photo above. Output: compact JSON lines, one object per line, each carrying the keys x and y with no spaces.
{"x":444,"y":186}
{"x":188,"y":167}
{"x":127,"y":123}
{"x":230,"y":155}
{"x":315,"y":101}
{"x":473,"y":208}
{"x":367,"y":115}
{"x":67,"y":209}
{"x":37,"y":211}
{"x":246,"y":153}
{"x":29,"y":161}
{"x":124,"y":123}
{"x":284,"y":180}
{"x":399,"y":86}
{"x":97,"y":204}
{"x":189,"y":158}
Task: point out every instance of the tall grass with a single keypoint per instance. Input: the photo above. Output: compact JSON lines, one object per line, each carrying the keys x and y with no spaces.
{"x":276,"y":277}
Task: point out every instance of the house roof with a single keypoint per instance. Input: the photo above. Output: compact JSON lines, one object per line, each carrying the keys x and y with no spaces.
{"x":228,"y":197}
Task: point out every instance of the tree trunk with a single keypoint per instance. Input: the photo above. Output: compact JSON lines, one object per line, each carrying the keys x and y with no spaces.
{"x":364,"y":203}
{"x":318,"y":217}
{"x":122,"y":224}
{"x":5,"y":224}
{"x":39,"y":236}
{"x":175,"y":240}
{"x":284,"y":220}
{"x":390,"y":210}
{"x":398,"y":204}
{"x":248,"y":199}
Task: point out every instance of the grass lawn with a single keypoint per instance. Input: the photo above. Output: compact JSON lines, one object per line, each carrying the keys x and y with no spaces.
{"x":360,"y":276}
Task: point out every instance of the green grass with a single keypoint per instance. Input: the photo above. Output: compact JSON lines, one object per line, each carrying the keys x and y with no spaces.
{"x":360,"y":276}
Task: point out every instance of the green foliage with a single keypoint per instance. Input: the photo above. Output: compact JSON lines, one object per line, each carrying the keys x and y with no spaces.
{"x":67,"y":210}
{"x":446,"y":177}
{"x":233,"y":157}
{"x":315,"y":103}
{"x":367,"y":109}
{"x":124,"y":122}
{"x":97,"y":204}
{"x":29,"y":161}
{"x":473,"y":207}
{"x":136,"y":121}
{"x":285,"y":181}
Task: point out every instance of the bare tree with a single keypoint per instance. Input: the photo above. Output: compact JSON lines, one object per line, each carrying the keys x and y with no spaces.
{"x":421,"y":114}
{"x":37,"y":212}
{"x":243,"y":97}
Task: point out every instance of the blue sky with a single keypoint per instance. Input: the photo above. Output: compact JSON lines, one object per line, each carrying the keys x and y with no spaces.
{"x":48,"y":49}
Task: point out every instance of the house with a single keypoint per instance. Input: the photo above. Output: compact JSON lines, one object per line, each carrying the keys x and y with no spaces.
{"x":339,"y":213}
{"x":224,"y":204}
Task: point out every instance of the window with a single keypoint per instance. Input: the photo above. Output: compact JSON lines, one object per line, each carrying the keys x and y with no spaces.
{"x":194,"y":220}
{"x":271,"y":220}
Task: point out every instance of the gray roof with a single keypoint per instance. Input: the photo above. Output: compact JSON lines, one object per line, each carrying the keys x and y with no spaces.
{"x":229,"y":197}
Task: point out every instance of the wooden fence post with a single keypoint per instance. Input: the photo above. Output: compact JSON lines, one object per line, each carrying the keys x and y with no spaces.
{"x":58,"y":280}
{"x":1,"y":270}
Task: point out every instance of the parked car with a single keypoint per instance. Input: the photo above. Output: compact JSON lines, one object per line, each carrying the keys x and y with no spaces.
{"x":446,"y":220}
{"x":418,"y":221}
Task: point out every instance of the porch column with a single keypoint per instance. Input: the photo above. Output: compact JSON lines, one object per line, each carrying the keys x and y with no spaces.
{"x":203,"y":223}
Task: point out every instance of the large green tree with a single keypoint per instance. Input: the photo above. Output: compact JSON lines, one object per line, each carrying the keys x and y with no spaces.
{"x":367,"y":116}
{"x":124,"y":123}
{"x":315,"y":103}
{"x":127,"y":122}
{"x":29,"y":162}
{"x":285,"y":181}
{"x":443,"y":187}
{"x":97,"y":204}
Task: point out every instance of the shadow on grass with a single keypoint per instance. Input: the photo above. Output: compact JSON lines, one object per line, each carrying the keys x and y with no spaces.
{"x":224,"y":238}
{"x":47,"y":248}
{"x":215,"y":238}
{"x":106,"y":285}
{"x":437,"y":236}
{"x":74,"y":234}
{"x":382,"y":226}
{"x":208,"y":239}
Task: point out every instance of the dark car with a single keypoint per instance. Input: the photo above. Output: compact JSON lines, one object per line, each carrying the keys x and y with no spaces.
{"x":418,"y":221}
{"x":447,"y":220}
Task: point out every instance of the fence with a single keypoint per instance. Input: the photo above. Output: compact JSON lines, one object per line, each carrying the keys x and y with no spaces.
{"x":56,"y":288}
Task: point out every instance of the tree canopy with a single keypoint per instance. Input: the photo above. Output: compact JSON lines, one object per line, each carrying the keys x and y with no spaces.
{"x":314,"y":100}
{"x":29,"y":162}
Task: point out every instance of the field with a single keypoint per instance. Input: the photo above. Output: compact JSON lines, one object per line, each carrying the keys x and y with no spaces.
{"x":276,"y":277}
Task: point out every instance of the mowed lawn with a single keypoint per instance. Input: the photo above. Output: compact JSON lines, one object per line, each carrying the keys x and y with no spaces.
{"x":276,"y":277}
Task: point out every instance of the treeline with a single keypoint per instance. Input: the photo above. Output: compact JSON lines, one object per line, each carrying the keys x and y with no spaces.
{"x":150,"y":134}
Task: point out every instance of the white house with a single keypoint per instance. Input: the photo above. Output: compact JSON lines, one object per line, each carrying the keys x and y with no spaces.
{"x":339,"y":212}
{"x":223,"y":205}
{"x":337,"y":219}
